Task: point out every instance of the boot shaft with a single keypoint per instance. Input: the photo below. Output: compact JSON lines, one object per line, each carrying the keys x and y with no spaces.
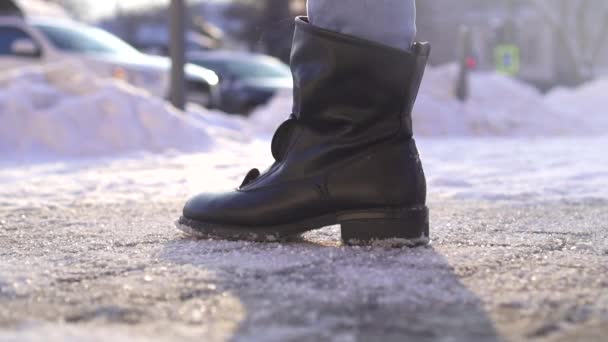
{"x":351,"y":128}
{"x":349,"y":87}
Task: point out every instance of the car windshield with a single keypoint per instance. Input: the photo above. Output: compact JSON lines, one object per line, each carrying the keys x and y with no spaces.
{"x":84,"y":39}
{"x":254,"y":68}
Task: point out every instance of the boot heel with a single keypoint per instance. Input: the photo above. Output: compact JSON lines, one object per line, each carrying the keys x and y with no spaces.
{"x":407,"y":226}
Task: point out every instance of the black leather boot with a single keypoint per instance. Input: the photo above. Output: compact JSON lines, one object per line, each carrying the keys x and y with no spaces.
{"x":346,"y":155}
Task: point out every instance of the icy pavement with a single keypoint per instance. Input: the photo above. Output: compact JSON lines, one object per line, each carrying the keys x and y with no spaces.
{"x":88,"y":251}
{"x":121,"y":272}
{"x":93,"y":174}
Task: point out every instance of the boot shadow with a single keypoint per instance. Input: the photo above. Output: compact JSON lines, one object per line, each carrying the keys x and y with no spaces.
{"x":315,"y":289}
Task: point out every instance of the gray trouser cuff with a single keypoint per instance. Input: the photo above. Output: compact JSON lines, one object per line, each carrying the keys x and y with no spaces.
{"x":390,"y":22}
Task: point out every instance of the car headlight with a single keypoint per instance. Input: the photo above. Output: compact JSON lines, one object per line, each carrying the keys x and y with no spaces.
{"x":213,"y":79}
{"x":195,"y":72}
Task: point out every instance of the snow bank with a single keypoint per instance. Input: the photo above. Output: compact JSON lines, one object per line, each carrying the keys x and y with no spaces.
{"x":587,"y":103}
{"x":265,"y":119}
{"x":498,"y":106}
{"x":62,"y":110}
{"x":487,"y":169}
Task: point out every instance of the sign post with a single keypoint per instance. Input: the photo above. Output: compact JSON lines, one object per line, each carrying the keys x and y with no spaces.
{"x":177,"y":15}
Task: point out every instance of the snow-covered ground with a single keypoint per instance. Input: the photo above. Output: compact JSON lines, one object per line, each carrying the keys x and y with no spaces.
{"x":525,"y":170}
{"x":66,"y":135}
{"x":495,"y":271}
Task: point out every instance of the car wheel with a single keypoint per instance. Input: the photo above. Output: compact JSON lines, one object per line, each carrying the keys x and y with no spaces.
{"x":201,"y":98}
{"x":199,"y":94}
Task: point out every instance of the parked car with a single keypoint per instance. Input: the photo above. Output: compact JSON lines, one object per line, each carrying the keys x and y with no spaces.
{"x":27,"y":41}
{"x":246,"y":80}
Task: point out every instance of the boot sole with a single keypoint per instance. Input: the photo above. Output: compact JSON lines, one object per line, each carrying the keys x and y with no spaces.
{"x":395,"y":227}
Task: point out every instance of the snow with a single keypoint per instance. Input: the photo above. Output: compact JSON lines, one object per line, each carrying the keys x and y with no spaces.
{"x":525,"y":170}
{"x":588,"y":103}
{"x":266,"y":118}
{"x":63,"y":111}
{"x":65,"y":134}
{"x":498,"y":106}
{"x":521,"y":170}
{"x":121,"y":272}
{"x":93,"y":172}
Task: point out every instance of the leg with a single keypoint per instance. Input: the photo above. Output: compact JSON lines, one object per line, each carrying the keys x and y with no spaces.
{"x":391,"y":22}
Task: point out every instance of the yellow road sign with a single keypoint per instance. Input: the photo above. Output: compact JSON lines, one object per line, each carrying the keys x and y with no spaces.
{"x":507,"y":59}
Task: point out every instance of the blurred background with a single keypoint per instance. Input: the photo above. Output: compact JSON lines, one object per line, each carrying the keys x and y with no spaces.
{"x":555,"y":42}
{"x":498,"y":68}
{"x":558,"y":41}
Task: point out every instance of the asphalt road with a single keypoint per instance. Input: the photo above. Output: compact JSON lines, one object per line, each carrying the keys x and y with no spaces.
{"x":122,"y":272}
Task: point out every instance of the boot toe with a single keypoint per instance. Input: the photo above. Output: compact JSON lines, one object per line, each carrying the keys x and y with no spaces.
{"x":231,"y":208}
{"x":200,"y":207}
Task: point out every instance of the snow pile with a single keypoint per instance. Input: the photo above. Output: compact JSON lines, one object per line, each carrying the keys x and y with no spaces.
{"x":588,"y":103}
{"x":265,"y":119}
{"x":498,"y":106}
{"x":62,"y":110}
